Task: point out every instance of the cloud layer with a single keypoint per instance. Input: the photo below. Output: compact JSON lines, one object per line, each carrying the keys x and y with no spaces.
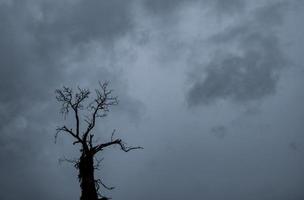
{"x":247,"y":65}
{"x":211,"y":89}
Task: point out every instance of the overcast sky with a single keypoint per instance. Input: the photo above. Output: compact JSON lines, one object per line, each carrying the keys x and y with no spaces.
{"x":212,"y":89}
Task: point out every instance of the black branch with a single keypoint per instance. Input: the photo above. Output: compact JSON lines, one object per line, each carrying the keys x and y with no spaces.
{"x":83,"y":134}
{"x":70,"y":132}
{"x":99,"y":108}
{"x":118,"y":142}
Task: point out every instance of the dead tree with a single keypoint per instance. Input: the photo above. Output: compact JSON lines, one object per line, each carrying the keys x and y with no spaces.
{"x":83,"y":135}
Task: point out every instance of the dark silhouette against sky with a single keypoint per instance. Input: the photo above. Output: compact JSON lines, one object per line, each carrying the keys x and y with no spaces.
{"x":75,"y":103}
{"x":212,"y":89}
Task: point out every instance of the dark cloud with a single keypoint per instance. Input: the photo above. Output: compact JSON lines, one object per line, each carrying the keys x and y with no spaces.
{"x":219,"y":131}
{"x":229,"y":6}
{"x":83,"y":21}
{"x":243,"y":78}
{"x":162,"y":7}
{"x":251,"y":71}
{"x":45,"y":44}
{"x":38,"y":41}
{"x":166,"y":8}
{"x":293,"y":146}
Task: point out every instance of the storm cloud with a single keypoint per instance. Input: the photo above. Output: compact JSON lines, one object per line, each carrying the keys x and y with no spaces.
{"x":36,"y":40}
{"x":183,"y":71}
{"x":247,"y":66}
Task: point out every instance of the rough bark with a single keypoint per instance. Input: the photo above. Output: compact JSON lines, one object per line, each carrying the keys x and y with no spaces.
{"x":86,"y":177}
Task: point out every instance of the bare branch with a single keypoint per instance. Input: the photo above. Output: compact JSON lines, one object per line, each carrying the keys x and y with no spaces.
{"x":79,"y":98}
{"x":91,"y":141}
{"x":119,"y":142}
{"x":64,"y":129}
{"x":98,"y":161}
{"x":112,"y":135}
{"x":99,"y":182}
{"x":64,"y":96}
{"x":75,"y":162}
{"x":99,"y":107}
{"x":70,"y":101}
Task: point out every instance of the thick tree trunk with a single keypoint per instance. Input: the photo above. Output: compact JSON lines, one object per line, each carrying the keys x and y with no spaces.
{"x":86,"y":177}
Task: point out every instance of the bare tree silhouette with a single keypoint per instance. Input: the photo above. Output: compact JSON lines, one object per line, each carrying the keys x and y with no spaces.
{"x":98,"y":107}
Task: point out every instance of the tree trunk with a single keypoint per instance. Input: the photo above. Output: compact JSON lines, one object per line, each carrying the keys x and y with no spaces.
{"x":86,"y":177}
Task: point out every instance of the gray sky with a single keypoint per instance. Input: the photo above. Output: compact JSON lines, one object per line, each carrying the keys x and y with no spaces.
{"x":211,"y":89}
